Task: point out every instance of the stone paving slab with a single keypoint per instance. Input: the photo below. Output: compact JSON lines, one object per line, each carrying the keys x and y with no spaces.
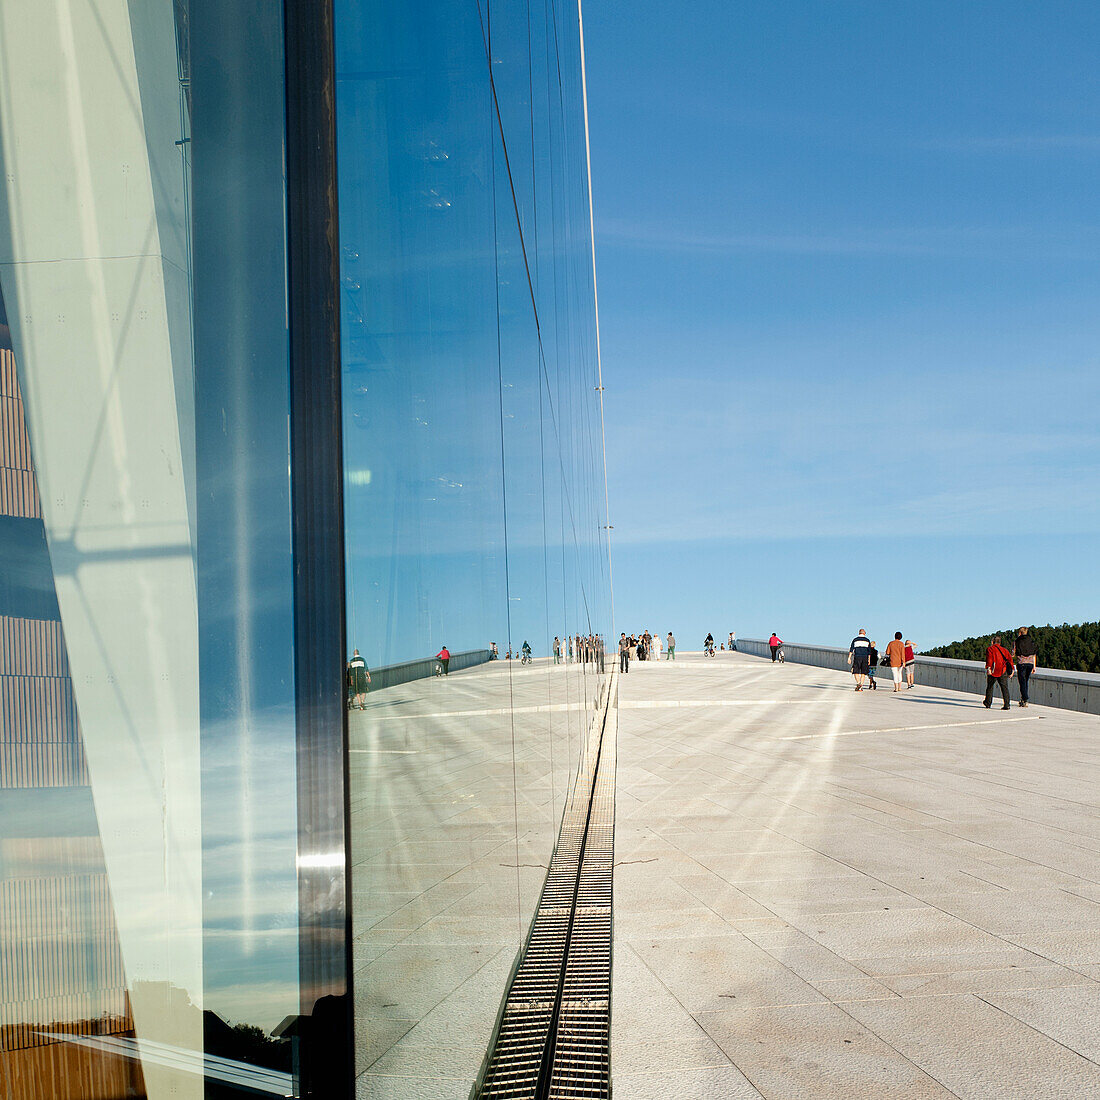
{"x":826,"y":893}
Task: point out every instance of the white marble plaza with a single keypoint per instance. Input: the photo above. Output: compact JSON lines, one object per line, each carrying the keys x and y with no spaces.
{"x":825,"y":894}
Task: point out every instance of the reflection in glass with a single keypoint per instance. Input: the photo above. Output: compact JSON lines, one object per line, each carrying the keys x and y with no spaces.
{"x":472,"y":501}
{"x":152,"y":907}
{"x":61,"y":970}
{"x":148,"y":835}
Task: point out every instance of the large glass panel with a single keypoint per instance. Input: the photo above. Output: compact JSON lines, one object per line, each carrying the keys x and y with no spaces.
{"x":148,"y":830}
{"x":61,"y":967}
{"x":473,"y":489}
{"x":154,"y":894}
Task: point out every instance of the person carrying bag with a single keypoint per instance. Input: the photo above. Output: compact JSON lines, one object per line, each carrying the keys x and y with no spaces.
{"x":998,"y":668}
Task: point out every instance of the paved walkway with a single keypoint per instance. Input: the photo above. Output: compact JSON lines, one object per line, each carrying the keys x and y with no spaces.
{"x":823,"y":894}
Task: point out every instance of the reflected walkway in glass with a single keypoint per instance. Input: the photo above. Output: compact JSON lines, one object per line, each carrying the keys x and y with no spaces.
{"x":454,"y":818}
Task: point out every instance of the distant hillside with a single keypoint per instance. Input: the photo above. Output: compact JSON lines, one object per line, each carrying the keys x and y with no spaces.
{"x":1076,"y":648}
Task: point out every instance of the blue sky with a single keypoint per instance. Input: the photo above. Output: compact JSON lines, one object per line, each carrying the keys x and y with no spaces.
{"x":849,"y":269}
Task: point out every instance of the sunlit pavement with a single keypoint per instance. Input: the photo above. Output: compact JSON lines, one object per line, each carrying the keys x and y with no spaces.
{"x":823,"y":894}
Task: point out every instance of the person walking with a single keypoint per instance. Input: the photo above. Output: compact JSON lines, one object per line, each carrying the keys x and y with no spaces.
{"x":670,"y":647}
{"x":656,"y":647}
{"x":444,"y":658}
{"x":859,"y":657}
{"x":896,"y":652}
{"x":998,"y":668}
{"x":732,"y":642}
{"x":910,"y":663}
{"x":1026,"y":653}
{"x":774,"y":642}
{"x":873,"y":657}
{"x":624,"y":653}
{"x":359,"y":675}
{"x":557,"y":650}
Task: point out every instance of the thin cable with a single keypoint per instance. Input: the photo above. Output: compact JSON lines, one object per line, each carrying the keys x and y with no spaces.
{"x":596,"y":303}
{"x":504,"y":506}
{"x":527,"y":268}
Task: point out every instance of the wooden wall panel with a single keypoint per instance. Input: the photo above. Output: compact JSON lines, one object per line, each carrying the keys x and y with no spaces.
{"x":32,"y":647}
{"x":60,"y":963}
{"x":62,"y":1071}
{"x":18,"y":487}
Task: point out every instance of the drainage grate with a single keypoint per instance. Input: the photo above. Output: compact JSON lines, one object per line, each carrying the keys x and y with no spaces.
{"x":553,"y":1036}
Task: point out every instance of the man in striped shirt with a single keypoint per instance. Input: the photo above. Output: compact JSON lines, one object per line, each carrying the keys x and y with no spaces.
{"x":859,"y":657}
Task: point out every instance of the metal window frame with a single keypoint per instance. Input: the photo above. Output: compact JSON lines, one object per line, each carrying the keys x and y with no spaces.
{"x":326,"y":1065}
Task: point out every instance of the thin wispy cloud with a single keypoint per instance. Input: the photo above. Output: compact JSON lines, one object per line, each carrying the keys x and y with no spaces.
{"x":921,"y":242}
{"x":1043,"y":144}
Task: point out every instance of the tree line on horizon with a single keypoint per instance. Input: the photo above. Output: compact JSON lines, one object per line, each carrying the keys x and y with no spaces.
{"x":1074,"y":647}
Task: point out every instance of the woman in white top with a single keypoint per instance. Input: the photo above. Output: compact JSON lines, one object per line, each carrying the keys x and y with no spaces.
{"x":656,"y":647}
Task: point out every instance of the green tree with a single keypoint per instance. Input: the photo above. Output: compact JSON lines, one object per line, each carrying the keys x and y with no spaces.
{"x":1074,"y":647}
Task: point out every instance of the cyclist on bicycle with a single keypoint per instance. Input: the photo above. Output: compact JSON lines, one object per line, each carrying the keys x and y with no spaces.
{"x":708,"y":645}
{"x":526,"y":659}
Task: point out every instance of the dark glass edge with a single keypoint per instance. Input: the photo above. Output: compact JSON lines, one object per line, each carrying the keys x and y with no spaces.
{"x":326,"y":1040}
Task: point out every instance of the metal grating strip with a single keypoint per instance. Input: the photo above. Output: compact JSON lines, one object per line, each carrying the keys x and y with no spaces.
{"x":554,"y":1032}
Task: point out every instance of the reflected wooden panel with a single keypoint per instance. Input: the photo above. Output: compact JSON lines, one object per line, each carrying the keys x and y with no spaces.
{"x":57,"y":1070}
{"x":61,"y":967}
{"x":18,"y":486}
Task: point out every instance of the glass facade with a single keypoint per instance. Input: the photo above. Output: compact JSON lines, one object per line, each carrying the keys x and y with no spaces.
{"x":473,"y":501}
{"x":298,"y":358}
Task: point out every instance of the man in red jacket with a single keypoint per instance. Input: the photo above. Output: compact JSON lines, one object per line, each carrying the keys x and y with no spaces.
{"x":998,"y":668}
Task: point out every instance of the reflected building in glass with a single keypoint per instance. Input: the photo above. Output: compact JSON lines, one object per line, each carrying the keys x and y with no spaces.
{"x":298,"y":364}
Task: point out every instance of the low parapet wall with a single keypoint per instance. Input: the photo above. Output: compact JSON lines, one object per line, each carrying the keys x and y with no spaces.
{"x":391,"y":675}
{"x":1048,"y":687}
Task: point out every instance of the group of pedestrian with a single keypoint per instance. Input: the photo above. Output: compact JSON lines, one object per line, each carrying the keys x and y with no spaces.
{"x":644,"y":647}
{"x":577,"y":648}
{"x":709,"y":649}
{"x":900,"y":657}
{"x":1000,"y":664}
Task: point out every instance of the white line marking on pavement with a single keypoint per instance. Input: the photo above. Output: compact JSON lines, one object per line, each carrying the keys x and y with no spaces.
{"x":646,"y":704}
{"x":544,"y":708}
{"x":389,"y":752}
{"x":906,"y":729}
